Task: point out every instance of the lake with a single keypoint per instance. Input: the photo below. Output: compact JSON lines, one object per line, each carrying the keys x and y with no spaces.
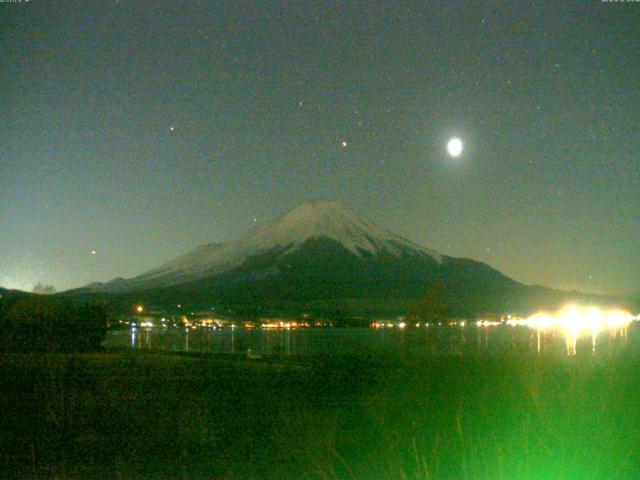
{"x":409,"y":342}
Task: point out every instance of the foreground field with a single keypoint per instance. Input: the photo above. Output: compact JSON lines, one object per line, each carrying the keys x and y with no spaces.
{"x":117,"y":415}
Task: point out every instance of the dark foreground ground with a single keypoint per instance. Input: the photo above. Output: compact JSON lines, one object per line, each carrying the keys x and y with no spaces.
{"x":117,"y":415}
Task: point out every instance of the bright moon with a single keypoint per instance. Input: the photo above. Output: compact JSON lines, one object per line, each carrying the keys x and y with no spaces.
{"x":454,"y":147}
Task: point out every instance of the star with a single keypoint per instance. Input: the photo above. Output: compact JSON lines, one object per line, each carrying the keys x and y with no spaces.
{"x":172,"y":128}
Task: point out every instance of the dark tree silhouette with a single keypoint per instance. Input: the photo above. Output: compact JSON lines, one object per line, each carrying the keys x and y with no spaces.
{"x":42,"y":324}
{"x":432,"y":306}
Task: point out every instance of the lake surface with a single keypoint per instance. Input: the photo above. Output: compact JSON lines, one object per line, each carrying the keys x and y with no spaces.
{"x":410,"y":342}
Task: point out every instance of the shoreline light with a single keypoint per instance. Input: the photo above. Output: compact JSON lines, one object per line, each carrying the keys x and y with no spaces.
{"x":578,"y":320}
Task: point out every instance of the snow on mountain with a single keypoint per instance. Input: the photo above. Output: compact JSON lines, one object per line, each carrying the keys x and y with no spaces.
{"x":329,"y":220}
{"x":318,"y":219}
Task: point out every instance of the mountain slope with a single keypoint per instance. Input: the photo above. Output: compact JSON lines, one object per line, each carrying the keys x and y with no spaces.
{"x":323,"y":258}
{"x":311,"y":220}
{"x":6,"y":293}
{"x":323,"y":273}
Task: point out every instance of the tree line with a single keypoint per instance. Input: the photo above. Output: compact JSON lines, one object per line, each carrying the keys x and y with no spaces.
{"x":36,"y":323}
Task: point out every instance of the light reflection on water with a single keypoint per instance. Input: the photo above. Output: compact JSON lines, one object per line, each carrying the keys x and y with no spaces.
{"x":574,"y":322}
{"x":438,"y":340}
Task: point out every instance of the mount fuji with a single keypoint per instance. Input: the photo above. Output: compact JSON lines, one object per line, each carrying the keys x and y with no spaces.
{"x":322,"y":256}
{"x":311,"y":222}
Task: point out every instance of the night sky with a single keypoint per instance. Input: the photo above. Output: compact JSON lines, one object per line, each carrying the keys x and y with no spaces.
{"x":140,"y":130}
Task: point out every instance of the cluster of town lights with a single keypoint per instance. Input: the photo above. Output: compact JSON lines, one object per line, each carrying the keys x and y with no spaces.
{"x":195,"y":321}
{"x":573,"y":319}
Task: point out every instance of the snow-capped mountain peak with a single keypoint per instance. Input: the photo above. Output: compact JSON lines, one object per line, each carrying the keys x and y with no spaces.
{"x":331,"y":220}
{"x":310,"y":220}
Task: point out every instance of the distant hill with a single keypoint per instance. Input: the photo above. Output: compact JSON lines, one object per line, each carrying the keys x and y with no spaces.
{"x":6,"y":293}
{"x":321,"y":257}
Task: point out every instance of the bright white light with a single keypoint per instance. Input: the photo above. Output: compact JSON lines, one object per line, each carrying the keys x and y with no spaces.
{"x":581,"y":320}
{"x":454,"y":147}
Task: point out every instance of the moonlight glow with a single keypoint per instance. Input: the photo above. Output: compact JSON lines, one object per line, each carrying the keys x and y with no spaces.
{"x":454,"y":147}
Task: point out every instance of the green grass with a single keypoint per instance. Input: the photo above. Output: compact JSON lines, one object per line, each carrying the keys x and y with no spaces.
{"x":132,"y":415}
